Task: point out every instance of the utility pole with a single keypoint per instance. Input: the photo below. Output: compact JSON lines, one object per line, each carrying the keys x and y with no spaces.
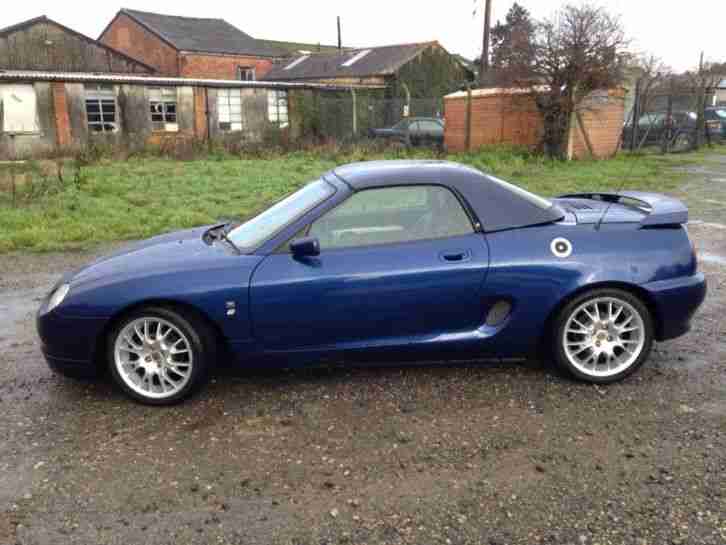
{"x":701,"y":105}
{"x":340,"y":38}
{"x":484,"y":68}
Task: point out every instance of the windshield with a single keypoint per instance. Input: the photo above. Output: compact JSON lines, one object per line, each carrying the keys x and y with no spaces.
{"x":254,"y":232}
{"x":720,"y":113}
{"x":541,"y":202}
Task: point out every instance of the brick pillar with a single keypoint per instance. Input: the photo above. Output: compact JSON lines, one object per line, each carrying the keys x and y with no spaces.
{"x":62,"y":119}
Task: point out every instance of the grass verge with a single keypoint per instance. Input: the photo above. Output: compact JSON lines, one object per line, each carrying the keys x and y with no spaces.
{"x":140,"y":197}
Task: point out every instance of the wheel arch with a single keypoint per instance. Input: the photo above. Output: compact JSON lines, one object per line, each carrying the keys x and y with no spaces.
{"x":633,"y":289}
{"x":101,"y":345}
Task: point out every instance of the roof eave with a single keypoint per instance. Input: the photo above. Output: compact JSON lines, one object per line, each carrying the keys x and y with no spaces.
{"x":227,"y":53}
{"x":81,"y":77}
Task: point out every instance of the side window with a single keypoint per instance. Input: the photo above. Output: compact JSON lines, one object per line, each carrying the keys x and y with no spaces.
{"x":651,"y":120}
{"x":431,"y":126}
{"x":229,"y":109}
{"x":390,"y":215}
{"x":162,"y":104}
{"x":101,"y":108}
{"x":277,"y":107}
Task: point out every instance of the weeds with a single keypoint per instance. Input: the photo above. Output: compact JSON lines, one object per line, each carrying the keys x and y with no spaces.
{"x":92,"y":198}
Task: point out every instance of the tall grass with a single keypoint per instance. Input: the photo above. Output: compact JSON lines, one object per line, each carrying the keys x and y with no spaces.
{"x":147,"y":194}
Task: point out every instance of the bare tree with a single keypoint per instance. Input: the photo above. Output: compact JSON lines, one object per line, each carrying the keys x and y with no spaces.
{"x":702,"y":82}
{"x":577,"y":51}
{"x":651,"y":75}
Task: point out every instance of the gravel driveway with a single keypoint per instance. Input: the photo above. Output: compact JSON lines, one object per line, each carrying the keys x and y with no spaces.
{"x":472,"y":453}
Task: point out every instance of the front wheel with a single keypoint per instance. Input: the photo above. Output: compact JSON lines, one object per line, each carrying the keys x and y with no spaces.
{"x":603,"y":336}
{"x":159,"y":356}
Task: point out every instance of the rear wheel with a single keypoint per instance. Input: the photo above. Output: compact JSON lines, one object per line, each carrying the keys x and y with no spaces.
{"x":603,"y":335}
{"x":159,"y":356}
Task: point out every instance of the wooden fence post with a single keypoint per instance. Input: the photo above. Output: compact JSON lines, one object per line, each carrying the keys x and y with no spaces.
{"x":355,"y":113}
{"x":585,"y":134}
{"x":468,"y":118}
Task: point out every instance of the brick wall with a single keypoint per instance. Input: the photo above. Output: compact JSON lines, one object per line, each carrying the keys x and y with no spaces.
{"x":128,"y":36}
{"x":603,"y":120}
{"x":61,"y":116}
{"x":496,"y":118}
{"x":505,"y":116}
{"x":195,"y":65}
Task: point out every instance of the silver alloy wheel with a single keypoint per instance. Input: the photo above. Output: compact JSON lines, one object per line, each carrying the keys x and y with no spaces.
{"x":603,"y":336}
{"x":153,"y":357}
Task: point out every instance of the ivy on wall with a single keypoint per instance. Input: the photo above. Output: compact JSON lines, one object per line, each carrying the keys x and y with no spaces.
{"x":433,"y":74}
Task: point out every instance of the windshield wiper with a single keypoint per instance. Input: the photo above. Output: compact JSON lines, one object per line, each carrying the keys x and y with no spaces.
{"x":223,"y":233}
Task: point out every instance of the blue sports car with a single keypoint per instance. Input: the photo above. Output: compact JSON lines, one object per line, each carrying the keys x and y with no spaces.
{"x":399,"y":259}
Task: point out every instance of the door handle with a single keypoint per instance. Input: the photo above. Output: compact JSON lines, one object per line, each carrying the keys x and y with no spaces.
{"x":456,"y":256}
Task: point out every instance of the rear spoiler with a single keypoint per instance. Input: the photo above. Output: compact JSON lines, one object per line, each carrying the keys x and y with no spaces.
{"x":659,"y":209}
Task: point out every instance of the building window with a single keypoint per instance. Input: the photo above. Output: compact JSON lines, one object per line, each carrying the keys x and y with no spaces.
{"x":162,"y":102}
{"x":277,"y":107}
{"x":18,"y":109}
{"x":246,"y":73}
{"x":229,"y":109}
{"x":101,"y":108}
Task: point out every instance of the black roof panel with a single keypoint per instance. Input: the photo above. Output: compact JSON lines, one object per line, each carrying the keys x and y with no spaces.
{"x":378,"y":61}
{"x":202,"y":35}
{"x":497,"y":204}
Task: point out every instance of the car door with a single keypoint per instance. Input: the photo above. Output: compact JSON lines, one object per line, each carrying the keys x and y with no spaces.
{"x":433,"y":131}
{"x":396,"y":264}
{"x":414,"y":133}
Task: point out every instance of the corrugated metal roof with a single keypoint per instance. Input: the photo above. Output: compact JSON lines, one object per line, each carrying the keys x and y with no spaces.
{"x":77,"y":77}
{"x":379,"y":61}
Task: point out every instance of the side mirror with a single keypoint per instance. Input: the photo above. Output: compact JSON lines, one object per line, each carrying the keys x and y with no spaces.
{"x":305,"y":247}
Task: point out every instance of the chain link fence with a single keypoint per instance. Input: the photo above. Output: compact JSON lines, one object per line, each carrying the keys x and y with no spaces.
{"x":666,"y":119}
{"x":351,"y":118}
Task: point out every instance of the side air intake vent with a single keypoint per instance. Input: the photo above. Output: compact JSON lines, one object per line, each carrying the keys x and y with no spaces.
{"x":498,"y":313}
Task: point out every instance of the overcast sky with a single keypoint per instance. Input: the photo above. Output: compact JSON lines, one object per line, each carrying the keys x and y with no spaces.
{"x":675,"y":31}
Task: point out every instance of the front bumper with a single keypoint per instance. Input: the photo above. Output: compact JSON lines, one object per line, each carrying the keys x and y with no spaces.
{"x":70,"y":344}
{"x":676,"y":301}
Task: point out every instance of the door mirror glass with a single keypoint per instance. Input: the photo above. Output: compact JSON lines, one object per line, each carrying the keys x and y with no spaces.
{"x":305,"y":247}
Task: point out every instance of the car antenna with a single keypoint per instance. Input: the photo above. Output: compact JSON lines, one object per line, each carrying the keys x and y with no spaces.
{"x":622,"y":186}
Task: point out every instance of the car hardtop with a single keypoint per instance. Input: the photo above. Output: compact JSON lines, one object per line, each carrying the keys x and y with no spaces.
{"x":496,"y":204}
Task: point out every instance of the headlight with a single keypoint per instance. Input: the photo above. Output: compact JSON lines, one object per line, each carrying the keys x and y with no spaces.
{"x":57,"y":297}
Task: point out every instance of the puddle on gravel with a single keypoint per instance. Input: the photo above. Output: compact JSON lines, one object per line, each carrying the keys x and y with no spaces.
{"x":16,"y":308}
{"x":712,"y":258}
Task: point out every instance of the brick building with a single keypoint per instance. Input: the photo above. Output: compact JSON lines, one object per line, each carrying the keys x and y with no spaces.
{"x":44,"y":112}
{"x":510,"y":116}
{"x":190,"y":47}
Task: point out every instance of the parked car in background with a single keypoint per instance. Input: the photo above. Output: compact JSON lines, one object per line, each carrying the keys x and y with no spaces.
{"x":654,"y":127}
{"x":414,"y":131}
{"x":716,"y":119}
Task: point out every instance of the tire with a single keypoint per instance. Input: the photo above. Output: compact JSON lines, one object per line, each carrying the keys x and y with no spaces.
{"x":607,"y":350}
{"x":167,"y":362}
{"x":682,"y":143}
